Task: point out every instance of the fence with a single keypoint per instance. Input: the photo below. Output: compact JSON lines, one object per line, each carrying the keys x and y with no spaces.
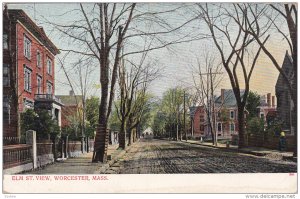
{"x":34,"y":154}
{"x":21,"y":157}
{"x":44,"y":153}
{"x":14,"y":155}
{"x":13,"y":140}
{"x":74,"y":148}
{"x":268,"y":141}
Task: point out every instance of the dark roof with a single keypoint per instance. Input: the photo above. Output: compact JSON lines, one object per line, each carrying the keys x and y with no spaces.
{"x":68,"y":100}
{"x":271,"y":113}
{"x":287,"y":67}
{"x":229,"y":98}
{"x":193,"y":110}
{"x":38,"y":32}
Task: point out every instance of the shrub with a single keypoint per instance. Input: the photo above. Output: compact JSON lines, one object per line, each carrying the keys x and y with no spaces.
{"x":41,"y":122}
{"x":274,"y":128}
{"x":255,"y":125}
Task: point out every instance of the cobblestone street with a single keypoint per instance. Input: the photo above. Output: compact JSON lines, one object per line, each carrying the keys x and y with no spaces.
{"x":151,"y":156}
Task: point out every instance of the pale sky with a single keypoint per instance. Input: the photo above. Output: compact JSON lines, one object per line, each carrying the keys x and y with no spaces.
{"x":176,"y":63}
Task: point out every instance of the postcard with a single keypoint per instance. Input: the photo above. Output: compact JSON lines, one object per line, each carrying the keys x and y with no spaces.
{"x":150,"y":97}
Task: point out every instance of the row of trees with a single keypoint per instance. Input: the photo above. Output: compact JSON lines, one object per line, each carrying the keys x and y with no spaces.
{"x":110,"y":34}
{"x":170,"y":118}
{"x":240,"y":32}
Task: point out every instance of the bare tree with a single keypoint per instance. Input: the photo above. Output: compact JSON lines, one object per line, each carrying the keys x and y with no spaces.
{"x":133,"y":82}
{"x":257,"y":28}
{"x":106,"y":29}
{"x":79,"y":78}
{"x":226,"y":27}
{"x":205,"y":84}
{"x":142,"y":99}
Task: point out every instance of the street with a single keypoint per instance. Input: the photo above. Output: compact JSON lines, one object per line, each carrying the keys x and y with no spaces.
{"x":153,"y":156}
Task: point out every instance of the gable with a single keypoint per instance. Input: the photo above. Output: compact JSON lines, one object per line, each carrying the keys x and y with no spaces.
{"x":287,"y":67}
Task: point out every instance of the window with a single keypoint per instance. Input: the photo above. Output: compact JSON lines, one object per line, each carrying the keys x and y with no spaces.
{"x":6,"y":75}
{"x":232,"y":127}
{"x":5,"y":41}
{"x":219,"y":127}
{"x":231,"y":114}
{"x":262,"y":115}
{"x":201,"y":127}
{"x":39,"y":84}
{"x":6,"y":108}
{"x":201,"y":118}
{"x":27,"y":47}
{"x":27,"y":79}
{"x":49,"y":66}
{"x":49,"y":88}
{"x":38,"y":59}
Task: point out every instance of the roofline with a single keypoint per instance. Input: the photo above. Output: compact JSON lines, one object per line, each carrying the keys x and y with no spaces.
{"x":36,"y":27}
{"x":289,"y":57}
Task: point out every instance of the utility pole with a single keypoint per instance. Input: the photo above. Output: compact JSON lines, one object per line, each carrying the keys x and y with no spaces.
{"x":177,"y":126}
{"x":172,"y":127}
{"x":213,"y":113}
{"x":184,"y":116}
{"x":212,"y":120}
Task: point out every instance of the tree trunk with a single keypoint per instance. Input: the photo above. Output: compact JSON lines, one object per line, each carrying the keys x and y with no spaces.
{"x":122,"y":137}
{"x":138,"y":133}
{"x":134,"y":135}
{"x":101,"y":144}
{"x":210,"y":127}
{"x":241,"y":125}
{"x":130,"y":136}
{"x":101,"y":138}
{"x":212,"y":134}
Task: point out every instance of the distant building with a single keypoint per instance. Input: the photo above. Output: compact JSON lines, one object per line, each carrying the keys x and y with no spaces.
{"x":72,"y":107}
{"x":226,"y":121}
{"x":198,"y":116}
{"x":283,"y":94}
{"x":28,"y":70}
{"x":267,"y":107}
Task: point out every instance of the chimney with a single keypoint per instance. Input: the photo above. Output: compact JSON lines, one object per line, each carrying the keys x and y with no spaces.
{"x":222,"y":95}
{"x":71,"y":93}
{"x":269,"y":99}
{"x":273,"y":101}
{"x":42,"y":29}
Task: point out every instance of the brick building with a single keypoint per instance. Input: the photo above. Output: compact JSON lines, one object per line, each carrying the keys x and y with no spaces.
{"x":198,"y":116}
{"x":226,"y":113}
{"x":72,"y":106}
{"x":28,"y":70}
{"x":267,"y":106}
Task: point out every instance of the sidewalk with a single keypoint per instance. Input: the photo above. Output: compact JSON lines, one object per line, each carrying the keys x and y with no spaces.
{"x":257,"y":151}
{"x":82,"y":164}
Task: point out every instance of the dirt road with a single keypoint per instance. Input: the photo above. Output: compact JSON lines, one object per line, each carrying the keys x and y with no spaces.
{"x":151,"y":156}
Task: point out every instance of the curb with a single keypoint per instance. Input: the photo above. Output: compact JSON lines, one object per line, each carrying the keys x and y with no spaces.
{"x":260,"y":154}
